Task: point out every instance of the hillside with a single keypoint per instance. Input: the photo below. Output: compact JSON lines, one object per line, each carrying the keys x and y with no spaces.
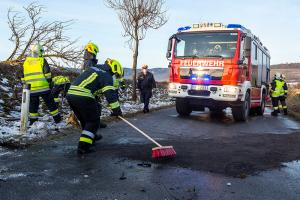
{"x":160,"y":74}
{"x":290,"y":70}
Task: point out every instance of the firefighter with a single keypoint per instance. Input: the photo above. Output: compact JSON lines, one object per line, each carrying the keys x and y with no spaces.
{"x":119,"y":84}
{"x":146,"y":83}
{"x":283,"y":95}
{"x":278,"y":87}
{"x":89,"y":60}
{"x":36,"y":72}
{"x":89,"y":57}
{"x":61,"y":84}
{"x":118,"y":81}
{"x":82,"y":100}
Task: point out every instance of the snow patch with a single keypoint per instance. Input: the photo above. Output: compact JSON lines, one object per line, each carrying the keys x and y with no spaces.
{"x":4,"y":81}
{"x":4,"y":88}
{"x":12,"y":176}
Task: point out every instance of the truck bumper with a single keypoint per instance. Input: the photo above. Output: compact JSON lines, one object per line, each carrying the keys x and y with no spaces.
{"x":212,"y":96}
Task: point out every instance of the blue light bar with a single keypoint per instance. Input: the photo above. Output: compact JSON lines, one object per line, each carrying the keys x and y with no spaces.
{"x":236,"y":26}
{"x":184,"y":28}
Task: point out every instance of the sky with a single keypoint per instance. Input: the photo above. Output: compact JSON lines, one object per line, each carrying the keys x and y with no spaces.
{"x":275,"y":22}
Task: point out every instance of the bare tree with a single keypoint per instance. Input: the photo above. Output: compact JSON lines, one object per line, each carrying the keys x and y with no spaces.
{"x":137,"y":16}
{"x":27,"y":28}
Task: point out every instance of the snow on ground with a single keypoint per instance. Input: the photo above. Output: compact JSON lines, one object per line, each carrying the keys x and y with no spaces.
{"x":4,"y":88}
{"x":4,"y":81}
{"x":10,"y":124}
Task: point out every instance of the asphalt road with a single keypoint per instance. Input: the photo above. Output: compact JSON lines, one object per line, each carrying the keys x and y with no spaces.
{"x":217,"y":159}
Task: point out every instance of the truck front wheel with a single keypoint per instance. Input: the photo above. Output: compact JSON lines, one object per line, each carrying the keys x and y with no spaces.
{"x":182,"y":107}
{"x":241,"y":113}
{"x":261,"y":108}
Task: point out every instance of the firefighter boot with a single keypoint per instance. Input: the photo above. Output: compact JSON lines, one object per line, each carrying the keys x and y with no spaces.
{"x":274,"y":113}
{"x":98,"y":137}
{"x":57,"y":118}
{"x":31,"y":121}
{"x":285,"y":111}
{"x":84,"y":148}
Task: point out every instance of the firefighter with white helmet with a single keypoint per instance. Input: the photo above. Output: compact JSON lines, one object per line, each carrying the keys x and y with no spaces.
{"x":283,"y":95}
{"x":82,"y":100}
{"x":36,"y":73}
{"x":278,"y":93}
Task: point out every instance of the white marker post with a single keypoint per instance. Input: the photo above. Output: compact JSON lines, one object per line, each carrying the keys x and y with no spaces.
{"x":25,"y":108}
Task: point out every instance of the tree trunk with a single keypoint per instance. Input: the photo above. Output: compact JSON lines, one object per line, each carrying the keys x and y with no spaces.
{"x":134,"y":66}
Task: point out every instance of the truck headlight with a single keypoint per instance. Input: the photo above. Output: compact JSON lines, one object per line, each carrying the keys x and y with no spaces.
{"x":230,"y":90}
{"x":172,"y":86}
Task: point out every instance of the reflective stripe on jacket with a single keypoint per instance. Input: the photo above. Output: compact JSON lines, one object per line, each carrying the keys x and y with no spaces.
{"x":277,"y":88}
{"x":34,"y":75}
{"x":93,"y":81}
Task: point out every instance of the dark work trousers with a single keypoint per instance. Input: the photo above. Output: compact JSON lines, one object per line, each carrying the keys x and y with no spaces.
{"x":282,"y":101}
{"x":275,"y":101}
{"x":57,"y":89}
{"x":87,"y":110}
{"x":49,"y":101}
{"x":145,"y":98}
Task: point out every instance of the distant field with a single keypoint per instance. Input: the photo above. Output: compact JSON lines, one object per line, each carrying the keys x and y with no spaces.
{"x":291,"y":71}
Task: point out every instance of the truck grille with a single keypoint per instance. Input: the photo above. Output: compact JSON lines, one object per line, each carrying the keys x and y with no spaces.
{"x":199,"y":92}
{"x":212,"y":73}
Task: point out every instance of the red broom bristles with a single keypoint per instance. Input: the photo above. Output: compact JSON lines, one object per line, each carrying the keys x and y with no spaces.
{"x":164,"y":151}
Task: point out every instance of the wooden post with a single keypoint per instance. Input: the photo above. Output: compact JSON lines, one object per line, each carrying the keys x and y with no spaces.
{"x":25,"y":108}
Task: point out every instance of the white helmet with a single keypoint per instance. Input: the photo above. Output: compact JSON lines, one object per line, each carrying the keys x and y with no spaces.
{"x":277,"y":75}
{"x":37,"y":49}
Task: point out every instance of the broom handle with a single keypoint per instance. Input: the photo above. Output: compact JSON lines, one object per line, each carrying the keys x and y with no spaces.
{"x":142,"y":132}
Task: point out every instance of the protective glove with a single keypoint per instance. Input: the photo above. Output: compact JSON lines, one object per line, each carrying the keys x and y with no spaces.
{"x":123,"y":86}
{"x":116,"y":112}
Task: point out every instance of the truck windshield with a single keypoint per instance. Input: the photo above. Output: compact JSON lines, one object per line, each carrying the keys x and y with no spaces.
{"x":201,"y":45}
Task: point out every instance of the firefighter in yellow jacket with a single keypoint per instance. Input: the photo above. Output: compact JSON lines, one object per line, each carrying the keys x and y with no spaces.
{"x":278,"y":93}
{"x":36,"y":73}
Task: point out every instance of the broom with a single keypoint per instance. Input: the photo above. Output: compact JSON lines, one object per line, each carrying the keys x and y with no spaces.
{"x":157,"y":152}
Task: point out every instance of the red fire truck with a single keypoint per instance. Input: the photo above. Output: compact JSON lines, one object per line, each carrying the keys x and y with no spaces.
{"x":218,"y":66}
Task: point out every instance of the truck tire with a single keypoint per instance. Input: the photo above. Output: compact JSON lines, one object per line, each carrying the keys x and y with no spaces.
{"x":261,"y":109}
{"x":182,"y":107}
{"x":241,"y":113}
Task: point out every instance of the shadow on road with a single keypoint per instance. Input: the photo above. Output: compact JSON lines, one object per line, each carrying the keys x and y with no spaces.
{"x":236,"y":156}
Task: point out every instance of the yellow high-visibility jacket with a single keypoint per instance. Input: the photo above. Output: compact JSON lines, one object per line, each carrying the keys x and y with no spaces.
{"x":35,"y":75}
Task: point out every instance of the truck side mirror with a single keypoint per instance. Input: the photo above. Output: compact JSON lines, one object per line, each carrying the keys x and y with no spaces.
{"x":247,"y":46}
{"x":168,"y":54}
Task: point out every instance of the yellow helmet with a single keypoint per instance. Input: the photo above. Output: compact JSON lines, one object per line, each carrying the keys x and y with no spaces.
{"x":115,"y":66}
{"x":37,"y":49}
{"x":92,"y":48}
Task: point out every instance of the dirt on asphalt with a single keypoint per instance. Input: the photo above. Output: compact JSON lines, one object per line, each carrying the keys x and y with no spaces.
{"x":237,"y":156}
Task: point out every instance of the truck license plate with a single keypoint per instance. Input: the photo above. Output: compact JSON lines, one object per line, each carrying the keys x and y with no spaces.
{"x":199,"y":87}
